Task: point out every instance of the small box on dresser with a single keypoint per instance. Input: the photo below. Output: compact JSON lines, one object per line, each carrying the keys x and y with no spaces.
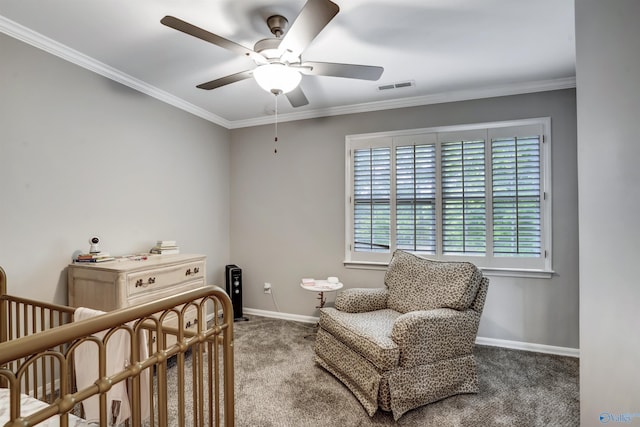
{"x":116,"y":284}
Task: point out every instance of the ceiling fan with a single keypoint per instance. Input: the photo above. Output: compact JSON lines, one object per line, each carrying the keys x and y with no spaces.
{"x":279,"y":66}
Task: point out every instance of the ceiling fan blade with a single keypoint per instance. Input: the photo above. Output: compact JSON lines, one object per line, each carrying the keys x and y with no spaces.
{"x":297,"y":98}
{"x":313,"y":17}
{"x":350,"y":71}
{"x":192,"y":30}
{"x":243,"y":75}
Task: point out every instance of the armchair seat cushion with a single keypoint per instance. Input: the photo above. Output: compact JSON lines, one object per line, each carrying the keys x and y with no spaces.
{"x":368,"y":334}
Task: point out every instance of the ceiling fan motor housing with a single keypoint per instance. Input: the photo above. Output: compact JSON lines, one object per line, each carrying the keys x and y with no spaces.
{"x":277,"y":25}
{"x":268,"y":48}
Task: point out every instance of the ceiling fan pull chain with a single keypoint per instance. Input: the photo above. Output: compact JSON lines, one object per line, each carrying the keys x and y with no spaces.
{"x":275,"y":140}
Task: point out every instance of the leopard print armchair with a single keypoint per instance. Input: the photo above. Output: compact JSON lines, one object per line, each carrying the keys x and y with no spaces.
{"x":409,"y":343}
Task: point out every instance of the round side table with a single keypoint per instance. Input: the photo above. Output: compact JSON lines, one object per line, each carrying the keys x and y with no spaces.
{"x":321,"y":286}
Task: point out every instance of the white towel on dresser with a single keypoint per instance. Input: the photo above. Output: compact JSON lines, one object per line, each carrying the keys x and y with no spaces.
{"x":86,"y":370}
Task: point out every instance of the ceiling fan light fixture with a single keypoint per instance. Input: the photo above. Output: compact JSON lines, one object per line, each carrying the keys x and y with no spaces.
{"x":277,"y":78}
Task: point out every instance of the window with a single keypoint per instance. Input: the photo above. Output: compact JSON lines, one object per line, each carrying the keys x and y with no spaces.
{"x":464,"y":204}
{"x":476,"y":192}
{"x":372,"y":192}
{"x":416,"y":198}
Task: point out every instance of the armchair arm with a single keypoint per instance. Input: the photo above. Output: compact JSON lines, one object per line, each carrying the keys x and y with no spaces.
{"x":360,"y":300}
{"x":431,"y":335}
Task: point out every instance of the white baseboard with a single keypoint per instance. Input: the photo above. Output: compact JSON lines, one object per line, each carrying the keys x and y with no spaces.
{"x":527,"y":346}
{"x":493,"y":342}
{"x":279,"y":315}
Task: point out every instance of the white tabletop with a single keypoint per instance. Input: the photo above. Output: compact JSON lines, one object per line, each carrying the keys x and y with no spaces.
{"x":321,"y":286}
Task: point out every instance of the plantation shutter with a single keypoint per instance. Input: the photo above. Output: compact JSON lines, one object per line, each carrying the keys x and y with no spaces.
{"x":416,"y":197}
{"x":372,"y":199}
{"x":516,"y":193}
{"x":479,"y":193}
{"x":463,"y":196}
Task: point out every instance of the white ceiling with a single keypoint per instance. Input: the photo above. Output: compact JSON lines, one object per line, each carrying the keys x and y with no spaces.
{"x":449,"y":49}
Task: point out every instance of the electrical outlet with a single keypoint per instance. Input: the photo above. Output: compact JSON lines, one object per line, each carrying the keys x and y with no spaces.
{"x":267,"y":288}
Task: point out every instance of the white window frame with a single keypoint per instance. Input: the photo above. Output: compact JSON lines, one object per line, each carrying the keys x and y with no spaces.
{"x":507,"y":266}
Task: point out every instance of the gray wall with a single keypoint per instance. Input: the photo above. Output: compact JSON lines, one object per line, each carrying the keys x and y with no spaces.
{"x":608,"y":43}
{"x":288,"y":213}
{"x":81,"y":155}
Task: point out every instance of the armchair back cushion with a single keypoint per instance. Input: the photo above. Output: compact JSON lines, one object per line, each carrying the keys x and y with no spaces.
{"x":416,"y":283}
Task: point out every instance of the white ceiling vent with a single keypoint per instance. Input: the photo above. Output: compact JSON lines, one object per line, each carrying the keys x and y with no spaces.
{"x":398,"y":85}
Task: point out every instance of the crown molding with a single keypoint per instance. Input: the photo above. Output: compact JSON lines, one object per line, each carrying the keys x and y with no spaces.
{"x":42,"y":42}
{"x":439,"y":98}
{"x":39,"y":41}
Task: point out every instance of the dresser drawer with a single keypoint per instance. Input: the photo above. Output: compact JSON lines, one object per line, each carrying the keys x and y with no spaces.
{"x":158,"y":279}
{"x":167,"y":291}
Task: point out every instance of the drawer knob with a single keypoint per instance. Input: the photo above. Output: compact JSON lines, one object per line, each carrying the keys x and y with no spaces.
{"x":152,"y":280}
{"x":138,"y":283}
{"x":188,"y":272}
{"x":196,"y":270}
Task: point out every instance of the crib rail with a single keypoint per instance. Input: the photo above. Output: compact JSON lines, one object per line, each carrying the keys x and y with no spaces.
{"x":20,"y":317}
{"x":37,"y":351}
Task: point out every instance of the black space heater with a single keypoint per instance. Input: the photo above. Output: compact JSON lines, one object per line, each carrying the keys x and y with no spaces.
{"x":234,"y":290}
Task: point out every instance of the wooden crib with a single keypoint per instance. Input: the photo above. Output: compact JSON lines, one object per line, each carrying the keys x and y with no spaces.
{"x":172,"y":376}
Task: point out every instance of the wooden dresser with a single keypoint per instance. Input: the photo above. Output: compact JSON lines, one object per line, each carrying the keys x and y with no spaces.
{"x":114,"y":284}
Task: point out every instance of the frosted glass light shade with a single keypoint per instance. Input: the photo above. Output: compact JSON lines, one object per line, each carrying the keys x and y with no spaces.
{"x":276,"y":78}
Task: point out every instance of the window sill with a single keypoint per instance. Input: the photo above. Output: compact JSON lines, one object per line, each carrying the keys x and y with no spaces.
{"x":495,"y":272}
{"x":366,"y":265}
{"x":514,"y":272}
